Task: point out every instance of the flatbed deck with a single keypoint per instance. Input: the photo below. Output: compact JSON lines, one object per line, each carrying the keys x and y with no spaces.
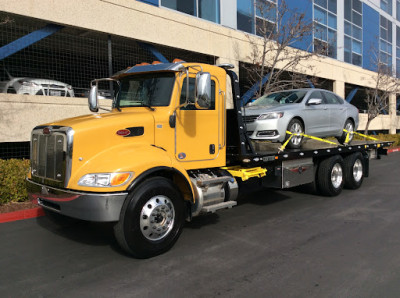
{"x":269,"y":151}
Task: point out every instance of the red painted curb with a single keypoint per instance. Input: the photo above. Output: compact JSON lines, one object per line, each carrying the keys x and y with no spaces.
{"x":22,"y":214}
{"x":397,"y":149}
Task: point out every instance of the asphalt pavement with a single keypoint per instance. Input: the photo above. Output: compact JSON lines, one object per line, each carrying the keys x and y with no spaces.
{"x":273,"y":244}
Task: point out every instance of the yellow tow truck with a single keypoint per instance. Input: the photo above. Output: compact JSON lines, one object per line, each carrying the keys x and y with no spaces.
{"x":173,"y":146}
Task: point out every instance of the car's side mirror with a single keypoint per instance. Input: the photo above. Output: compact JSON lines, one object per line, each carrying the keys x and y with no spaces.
{"x":314,"y":101}
{"x":203,"y":90}
{"x":93,"y":101}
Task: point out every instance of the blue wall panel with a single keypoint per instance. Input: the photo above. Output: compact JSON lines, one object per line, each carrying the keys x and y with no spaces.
{"x":152,"y":2}
{"x":306,"y":8}
{"x":370,"y":36}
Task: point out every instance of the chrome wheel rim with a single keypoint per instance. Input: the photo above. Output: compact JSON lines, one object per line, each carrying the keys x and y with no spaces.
{"x":296,"y":129}
{"x":349,"y":127}
{"x":357,"y":170}
{"x":157,"y":218}
{"x":337,"y":175}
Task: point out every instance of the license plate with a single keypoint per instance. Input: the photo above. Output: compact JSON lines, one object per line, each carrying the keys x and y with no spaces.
{"x":55,"y":93}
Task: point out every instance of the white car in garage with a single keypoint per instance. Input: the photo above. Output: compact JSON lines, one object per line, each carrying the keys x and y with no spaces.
{"x":33,"y":86}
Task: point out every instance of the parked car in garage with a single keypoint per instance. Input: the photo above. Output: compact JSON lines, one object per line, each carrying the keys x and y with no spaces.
{"x":34,"y":86}
{"x":315,"y":112}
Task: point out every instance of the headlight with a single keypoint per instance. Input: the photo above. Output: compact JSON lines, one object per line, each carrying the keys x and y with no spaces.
{"x":105,"y":179}
{"x":267,"y":116}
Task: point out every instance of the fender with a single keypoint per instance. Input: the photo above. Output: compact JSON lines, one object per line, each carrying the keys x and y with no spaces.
{"x":150,"y":172}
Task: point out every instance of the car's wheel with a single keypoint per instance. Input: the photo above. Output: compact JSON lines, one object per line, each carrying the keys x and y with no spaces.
{"x":353,"y":170}
{"x":349,"y":126}
{"x":330,"y":176}
{"x":151,"y":219}
{"x":295,"y":126}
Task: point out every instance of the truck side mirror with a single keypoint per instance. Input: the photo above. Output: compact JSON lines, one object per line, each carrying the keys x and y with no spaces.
{"x":93,"y":101}
{"x":203,"y":90}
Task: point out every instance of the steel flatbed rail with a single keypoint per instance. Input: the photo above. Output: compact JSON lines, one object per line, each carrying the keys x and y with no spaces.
{"x":267,"y":151}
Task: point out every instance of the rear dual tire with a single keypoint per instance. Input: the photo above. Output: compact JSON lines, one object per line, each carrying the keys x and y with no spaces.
{"x":336,"y":173}
{"x":354,"y":170}
{"x":330,"y":176}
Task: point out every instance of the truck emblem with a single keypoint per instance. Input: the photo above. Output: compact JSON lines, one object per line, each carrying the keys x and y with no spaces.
{"x":47,"y":130}
{"x":44,"y":191}
{"x":181,"y":155}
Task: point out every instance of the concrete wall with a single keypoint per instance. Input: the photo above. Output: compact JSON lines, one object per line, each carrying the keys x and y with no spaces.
{"x":19,"y":114}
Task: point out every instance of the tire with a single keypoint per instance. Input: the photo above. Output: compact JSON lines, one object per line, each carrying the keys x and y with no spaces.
{"x":353,"y":170}
{"x":294,"y":126}
{"x":158,"y":199}
{"x":349,"y":126}
{"x":330,"y":176}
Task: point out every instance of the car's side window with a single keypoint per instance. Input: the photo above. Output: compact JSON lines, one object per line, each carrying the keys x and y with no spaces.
{"x":317,"y":95}
{"x":341,"y":100}
{"x":331,"y":98}
{"x":191,"y":95}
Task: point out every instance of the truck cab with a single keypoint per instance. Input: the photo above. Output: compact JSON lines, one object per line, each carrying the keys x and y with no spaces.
{"x":166,"y":130}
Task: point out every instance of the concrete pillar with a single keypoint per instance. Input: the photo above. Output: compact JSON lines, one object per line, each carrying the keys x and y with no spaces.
{"x":392,"y":113}
{"x":338,"y":88}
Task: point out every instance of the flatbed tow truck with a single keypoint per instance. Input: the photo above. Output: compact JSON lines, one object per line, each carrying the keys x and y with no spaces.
{"x":173,"y":146}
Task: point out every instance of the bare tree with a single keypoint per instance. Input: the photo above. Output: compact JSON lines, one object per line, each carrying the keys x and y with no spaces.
{"x":275,"y":53}
{"x":385,"y":84}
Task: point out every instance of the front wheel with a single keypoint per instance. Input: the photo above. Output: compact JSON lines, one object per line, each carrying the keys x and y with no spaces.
{"x":295,"y":127}
{"x":151,"y":219}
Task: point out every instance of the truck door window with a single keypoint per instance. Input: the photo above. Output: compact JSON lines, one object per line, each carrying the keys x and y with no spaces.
{"x":191,"y":94}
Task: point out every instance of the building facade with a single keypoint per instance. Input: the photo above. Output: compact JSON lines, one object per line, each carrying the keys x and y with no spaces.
{"x":82,"y":40}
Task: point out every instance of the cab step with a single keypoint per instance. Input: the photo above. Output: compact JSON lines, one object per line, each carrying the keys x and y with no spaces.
{"x":223,"y":205}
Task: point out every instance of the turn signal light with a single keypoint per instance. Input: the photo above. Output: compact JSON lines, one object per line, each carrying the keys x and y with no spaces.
{"x":120,"y":178}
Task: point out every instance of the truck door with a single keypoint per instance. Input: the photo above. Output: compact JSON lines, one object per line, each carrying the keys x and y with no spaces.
{"x":197,"y":131}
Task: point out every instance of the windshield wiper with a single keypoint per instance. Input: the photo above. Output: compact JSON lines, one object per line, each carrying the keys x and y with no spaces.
{"x":148,"y":106}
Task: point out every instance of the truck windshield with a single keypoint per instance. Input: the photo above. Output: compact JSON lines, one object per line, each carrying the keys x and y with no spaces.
{"x":146,"y":90}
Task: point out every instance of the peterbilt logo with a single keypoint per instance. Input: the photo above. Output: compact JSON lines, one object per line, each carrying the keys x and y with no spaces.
{"x":44,"y":191}
{"x":47,"y":130}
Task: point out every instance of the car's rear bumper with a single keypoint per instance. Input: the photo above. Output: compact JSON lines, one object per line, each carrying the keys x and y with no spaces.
{"x":87,"y":206}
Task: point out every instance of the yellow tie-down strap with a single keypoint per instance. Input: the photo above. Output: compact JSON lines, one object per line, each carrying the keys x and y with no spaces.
{"x":303,"y":135}
{"x":348,"y":133}
{"x":246,"y":173}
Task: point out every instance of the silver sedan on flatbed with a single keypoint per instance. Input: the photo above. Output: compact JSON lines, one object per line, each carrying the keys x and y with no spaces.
{"x":315,"y":112}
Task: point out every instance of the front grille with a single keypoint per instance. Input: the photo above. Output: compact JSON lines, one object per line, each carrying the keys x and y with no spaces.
{"x":53,"y":86}
{"x":51,"y":155}
{"x":51,"y":92}
{"x":252,"y":118}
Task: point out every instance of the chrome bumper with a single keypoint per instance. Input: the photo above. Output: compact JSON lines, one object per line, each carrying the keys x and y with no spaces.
{"x":87,"y":206}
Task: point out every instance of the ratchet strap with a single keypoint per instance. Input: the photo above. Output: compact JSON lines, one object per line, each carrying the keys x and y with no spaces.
{"x":348,"y":133}
{"x":302,"y":135}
